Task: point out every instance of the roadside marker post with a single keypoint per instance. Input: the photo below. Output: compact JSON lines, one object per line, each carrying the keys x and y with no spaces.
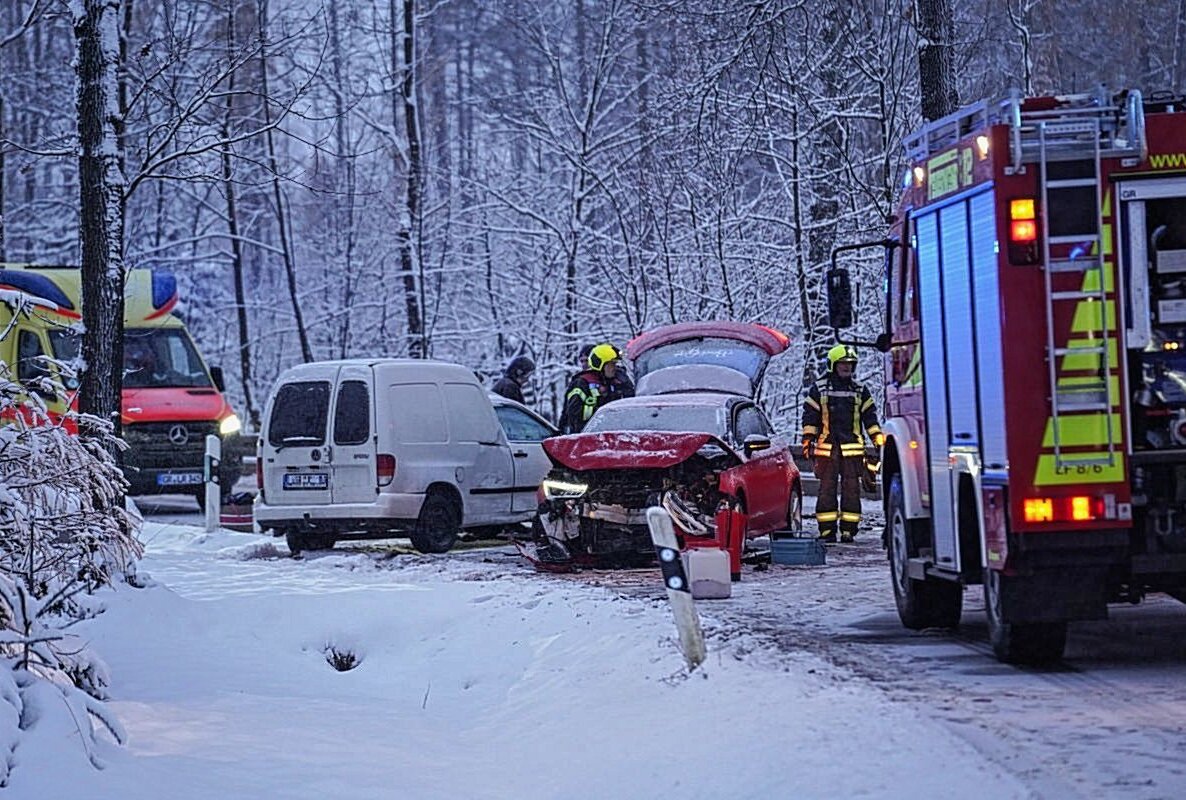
{"x":679,"y":590}
{"x":213,"y":491}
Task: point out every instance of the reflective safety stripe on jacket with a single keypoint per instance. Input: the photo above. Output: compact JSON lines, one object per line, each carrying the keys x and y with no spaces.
{"x":834,"y":413}
{"x":588,"y":399}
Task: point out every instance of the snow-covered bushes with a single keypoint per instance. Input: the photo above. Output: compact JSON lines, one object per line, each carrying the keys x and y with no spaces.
{"x":63,"y":534}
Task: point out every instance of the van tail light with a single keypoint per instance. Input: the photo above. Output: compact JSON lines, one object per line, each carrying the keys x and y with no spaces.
{"x":259,"y":475}
{"x":384,"y":469}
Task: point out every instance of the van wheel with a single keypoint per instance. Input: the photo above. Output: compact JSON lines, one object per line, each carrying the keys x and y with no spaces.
{"x":296,"y":541}
{"x":436,"y":527}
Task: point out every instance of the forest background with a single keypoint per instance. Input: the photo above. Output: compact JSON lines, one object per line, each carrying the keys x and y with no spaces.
{"x":516,"y":176}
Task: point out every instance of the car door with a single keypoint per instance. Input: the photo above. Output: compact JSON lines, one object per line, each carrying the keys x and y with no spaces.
{"x":294,"y":448}
{"x":486,"y":477}
{"x":526,"y":432}
{"x":764,"y":472}
{"x":352,"y":454}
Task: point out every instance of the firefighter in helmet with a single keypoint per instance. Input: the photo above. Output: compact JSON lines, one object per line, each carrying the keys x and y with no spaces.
{"x":593,"y":387}
{"x":835,"y":411}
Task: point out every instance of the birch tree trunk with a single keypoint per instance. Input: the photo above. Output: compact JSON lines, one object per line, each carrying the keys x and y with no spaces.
{"x":277,"y":194}
{"x":233,"y":231}
{"x":101,"y":190}
{"x":936,"y":59}
{"x":417,"y":347}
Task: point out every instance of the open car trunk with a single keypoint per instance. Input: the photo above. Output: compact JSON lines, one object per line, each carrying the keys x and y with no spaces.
{"x":704,"y":356}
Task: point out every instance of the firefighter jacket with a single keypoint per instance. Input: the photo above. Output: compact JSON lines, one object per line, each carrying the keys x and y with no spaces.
{"x":833,"y":414}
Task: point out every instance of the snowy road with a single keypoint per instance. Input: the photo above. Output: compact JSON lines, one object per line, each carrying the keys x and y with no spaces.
{"x":1109,"y":722}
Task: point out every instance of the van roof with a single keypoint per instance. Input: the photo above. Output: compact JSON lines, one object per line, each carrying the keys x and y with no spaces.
{"x":149,"y":295}
{"x":317,"y":366}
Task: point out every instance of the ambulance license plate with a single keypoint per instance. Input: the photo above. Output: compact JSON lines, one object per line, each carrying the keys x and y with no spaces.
{"x":179,"y":479}
{"x":306,"y":480}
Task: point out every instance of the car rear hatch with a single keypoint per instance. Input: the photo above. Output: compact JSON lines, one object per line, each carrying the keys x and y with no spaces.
{"x":732,"y":357}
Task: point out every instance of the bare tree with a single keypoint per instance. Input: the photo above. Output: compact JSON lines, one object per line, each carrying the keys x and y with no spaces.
{"x":101,"y":190}
{"x":936,"y":58}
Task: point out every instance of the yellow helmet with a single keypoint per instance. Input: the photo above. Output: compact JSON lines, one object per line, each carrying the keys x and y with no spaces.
{"x":602,"y":354}
{"x":839,"y":353}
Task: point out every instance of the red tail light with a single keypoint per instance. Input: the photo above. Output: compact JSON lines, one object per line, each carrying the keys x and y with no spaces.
{"x":384,"y":469}
{"x":1023,"y":231}
{"x":259,"y":474}
{"x":1080,"y":508}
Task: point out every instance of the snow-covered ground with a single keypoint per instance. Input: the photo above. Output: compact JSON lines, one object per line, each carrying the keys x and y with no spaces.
{"x":474,"y":680}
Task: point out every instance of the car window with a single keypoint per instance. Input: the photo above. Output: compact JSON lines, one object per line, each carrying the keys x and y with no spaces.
{"x":750,"y":422}
{"x":658,"y":417}
{"x":470,"y":419}
{"x":352,"y":415}
{"x":299,"y":414}
{"x":521,"y":426}
{"x":418,"y":413}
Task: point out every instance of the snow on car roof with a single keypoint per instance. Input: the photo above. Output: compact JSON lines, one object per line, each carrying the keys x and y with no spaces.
{"x":683,"y":399}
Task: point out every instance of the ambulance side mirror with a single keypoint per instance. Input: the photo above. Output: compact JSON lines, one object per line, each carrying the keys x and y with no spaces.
{"x":217,"y":377}
{"x":839,"y":298}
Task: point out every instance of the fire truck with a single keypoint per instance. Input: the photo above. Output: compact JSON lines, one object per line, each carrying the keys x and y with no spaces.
{"x":1034,"y":344}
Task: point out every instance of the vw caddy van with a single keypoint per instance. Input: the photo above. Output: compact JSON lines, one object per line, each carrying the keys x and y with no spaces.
{"x":376,"y":448}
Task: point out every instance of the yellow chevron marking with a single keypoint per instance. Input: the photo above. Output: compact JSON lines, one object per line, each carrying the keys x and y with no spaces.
{"x":1081,"y":362}
{"x":1081,"y":430}
{"x":1050,"y":475}
{"x":1088,"y":317}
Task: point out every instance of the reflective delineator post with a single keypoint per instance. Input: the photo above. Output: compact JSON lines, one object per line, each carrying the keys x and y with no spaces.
{"x":213,"y":490}
{"x":679,"y":590}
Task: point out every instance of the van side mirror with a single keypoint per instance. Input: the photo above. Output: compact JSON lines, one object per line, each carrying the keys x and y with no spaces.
{"x":839,"y":298}
{"x":217,"y":377}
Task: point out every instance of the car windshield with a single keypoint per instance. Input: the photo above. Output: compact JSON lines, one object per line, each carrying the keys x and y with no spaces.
{"x":675,"y":418}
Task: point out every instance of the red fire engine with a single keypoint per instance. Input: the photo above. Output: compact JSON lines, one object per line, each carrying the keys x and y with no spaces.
{"x":1035,"y":364}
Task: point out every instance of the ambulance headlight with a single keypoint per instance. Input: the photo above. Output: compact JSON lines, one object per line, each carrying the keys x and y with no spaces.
{"x":229,"y":425}
{"x":562,"y":490}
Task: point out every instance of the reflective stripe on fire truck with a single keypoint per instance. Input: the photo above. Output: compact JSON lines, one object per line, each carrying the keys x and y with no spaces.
{"x":1090,"y":429}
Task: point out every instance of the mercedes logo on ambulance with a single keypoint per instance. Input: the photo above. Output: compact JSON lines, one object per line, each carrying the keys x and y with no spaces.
{"x":178,"y":435}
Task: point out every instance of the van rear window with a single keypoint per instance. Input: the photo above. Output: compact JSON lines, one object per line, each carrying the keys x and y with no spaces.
{"x":352,"y":415}
{"x":298,"y":414}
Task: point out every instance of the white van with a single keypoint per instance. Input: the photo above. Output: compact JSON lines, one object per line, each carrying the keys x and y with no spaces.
{"x":372,"y":448}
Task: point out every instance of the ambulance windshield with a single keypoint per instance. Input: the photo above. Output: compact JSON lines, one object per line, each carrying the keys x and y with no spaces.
{"x":154,"y":358}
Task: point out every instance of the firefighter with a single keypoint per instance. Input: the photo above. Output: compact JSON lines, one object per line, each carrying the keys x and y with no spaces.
{"x":836,"y":409}
{"x":514,"y":378}
{"x":593,"y":387}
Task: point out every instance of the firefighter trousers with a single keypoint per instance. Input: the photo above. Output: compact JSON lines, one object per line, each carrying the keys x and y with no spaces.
{"x":831,"y":470}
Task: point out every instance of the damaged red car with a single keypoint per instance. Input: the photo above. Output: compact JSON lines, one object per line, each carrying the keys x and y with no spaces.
{"x":693,"y":440}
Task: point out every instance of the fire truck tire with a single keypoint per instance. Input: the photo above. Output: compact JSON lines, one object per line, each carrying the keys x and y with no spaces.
{"x":1033,"y":643}
{"x":437,"y":526}
{"x":930,"y":603}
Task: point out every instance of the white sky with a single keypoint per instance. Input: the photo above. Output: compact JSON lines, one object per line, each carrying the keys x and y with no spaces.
{"x":472,"y":685}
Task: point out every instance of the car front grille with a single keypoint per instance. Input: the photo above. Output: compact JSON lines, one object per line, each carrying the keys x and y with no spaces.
{"x":162,"y":445}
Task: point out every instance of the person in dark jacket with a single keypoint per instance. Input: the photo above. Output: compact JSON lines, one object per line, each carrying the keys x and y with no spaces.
{"x":514,"y":378}
{"x":593,"y":387}
{"x":836,"y":409}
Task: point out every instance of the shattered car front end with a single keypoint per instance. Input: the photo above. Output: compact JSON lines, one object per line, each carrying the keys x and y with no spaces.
{"x":594,"y":503}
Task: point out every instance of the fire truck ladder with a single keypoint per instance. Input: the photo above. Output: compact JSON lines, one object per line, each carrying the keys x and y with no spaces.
{"x":1094,"y":393}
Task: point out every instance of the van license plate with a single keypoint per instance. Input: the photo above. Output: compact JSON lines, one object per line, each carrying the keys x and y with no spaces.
{"x":179,"y":479}
{"x":306,"y":480}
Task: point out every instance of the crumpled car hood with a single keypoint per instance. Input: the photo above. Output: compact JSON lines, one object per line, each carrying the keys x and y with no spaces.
{"x":626,"y":449}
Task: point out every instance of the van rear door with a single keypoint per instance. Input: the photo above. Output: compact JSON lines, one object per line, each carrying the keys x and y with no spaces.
{"x":295,"y":450}
{"x":352,"y":454}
